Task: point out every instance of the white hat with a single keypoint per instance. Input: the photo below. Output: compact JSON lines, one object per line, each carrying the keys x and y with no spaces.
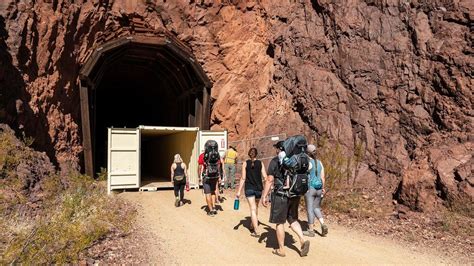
{"x":311,"y":148}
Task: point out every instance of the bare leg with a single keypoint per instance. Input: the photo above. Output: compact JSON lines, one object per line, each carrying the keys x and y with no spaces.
{"x":253,"y":213}
{"x":213,"y":201}
{"x":296,"y":227}
{"x":209,"y":202}
{"x":280,"y":231}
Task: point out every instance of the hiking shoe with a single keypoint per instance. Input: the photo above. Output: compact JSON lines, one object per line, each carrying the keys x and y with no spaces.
{"x":324,"y":229}
{"x":309,"y":233}
{"x":176,"y":203}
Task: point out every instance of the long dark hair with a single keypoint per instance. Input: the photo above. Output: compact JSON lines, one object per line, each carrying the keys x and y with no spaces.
{"x":252,"y":154}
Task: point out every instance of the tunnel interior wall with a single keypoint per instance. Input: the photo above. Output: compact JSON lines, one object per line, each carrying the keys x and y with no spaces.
{"x":157,"y":153}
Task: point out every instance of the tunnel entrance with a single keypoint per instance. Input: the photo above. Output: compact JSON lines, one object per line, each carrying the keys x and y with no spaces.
{"x":135,"y":81}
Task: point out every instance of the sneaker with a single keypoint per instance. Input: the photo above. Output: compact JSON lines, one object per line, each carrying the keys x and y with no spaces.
{"x":214,"y":212}
{"x":210,"y":213}
{"x":176,"y":203}
{"x":324,"y":229}
{"x":309,"y":233}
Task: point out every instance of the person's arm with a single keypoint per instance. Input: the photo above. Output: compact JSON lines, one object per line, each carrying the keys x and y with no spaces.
{"x":242,"y":179}
{"x":264,"y":172}
{"x":201,"y":169}
{"x":223,"y":172}
{"x":185,"y":169}
{"x":172,"y":172}
{"x":266,"y":190}
{"x":323,"y":178}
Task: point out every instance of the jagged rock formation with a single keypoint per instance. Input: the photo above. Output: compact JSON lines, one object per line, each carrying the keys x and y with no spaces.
{"x":394,"y":75}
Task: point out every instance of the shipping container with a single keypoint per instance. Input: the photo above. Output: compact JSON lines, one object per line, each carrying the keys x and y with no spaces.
{"x":141,"y":158}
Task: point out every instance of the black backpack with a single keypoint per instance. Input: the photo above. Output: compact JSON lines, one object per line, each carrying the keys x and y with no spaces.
{"x":296,"y":165}
{"x":211,"y":159}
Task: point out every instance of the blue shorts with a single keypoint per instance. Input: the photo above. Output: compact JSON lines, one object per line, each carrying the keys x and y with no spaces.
{"x":253,"y":193}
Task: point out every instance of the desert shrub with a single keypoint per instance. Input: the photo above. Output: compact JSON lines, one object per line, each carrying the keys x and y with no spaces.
{"x":70,"y":222}
{"x":341,"y":169}
{"x":46,"y":217}
{"x":340,"y":164}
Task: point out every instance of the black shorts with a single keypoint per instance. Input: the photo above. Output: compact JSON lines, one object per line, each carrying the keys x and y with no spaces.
{"x":284,"y":209}
{"x":209,"y":186}
{"x":253,"y":193}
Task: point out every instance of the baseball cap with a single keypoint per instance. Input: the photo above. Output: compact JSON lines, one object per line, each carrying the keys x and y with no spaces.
{"x":279,"y":145}
{"x":311,"y":148}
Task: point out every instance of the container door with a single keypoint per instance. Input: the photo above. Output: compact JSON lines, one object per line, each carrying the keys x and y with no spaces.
{"x":123,"y":158}
{"x":193,"y":164}
{"x":219,"y":136}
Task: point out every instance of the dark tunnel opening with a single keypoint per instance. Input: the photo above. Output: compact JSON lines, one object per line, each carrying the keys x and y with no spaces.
{"x":131,"y":95}
{"x":153,"y":83}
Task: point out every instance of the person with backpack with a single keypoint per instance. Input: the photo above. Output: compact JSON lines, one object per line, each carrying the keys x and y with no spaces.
{"x":315,"y":194}
{"x":179,"y":179}
{"x":209,"y":174}
{"x":284,"y":203}
{"x":253,"y":172}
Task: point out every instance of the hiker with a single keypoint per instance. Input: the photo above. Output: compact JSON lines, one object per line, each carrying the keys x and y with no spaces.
{"x":209,"y":174}
{"x":229,"y":166}
{"x":179,"y":179}
{"x":253,"y":171}
{"x":315,"y":194}
{"x":283,"y":207}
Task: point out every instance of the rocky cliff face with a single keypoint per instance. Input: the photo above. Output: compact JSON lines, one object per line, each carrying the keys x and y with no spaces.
{"x":394,"y":75}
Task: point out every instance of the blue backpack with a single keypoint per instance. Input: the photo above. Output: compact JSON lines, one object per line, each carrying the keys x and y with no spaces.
{"x":315,"y":175}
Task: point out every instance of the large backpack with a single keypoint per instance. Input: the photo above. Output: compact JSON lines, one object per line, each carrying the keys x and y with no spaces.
{"x":296,"y":165}
{"x":211,"y":159}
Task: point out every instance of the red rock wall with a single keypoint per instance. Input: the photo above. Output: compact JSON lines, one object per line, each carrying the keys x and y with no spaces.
{"x":396,"y":75}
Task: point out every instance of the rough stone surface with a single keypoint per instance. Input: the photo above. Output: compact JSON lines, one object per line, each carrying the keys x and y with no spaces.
{"x":394,"y":75}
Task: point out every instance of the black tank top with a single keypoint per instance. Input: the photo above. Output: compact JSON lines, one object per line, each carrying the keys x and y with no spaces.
{"x":179,"y":170}
{"x":253,"y":178}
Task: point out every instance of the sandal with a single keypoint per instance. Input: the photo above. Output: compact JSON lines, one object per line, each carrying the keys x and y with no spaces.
{"x":277,"y":252}
{"x":305,"y":248}
{"x":255,"y":234}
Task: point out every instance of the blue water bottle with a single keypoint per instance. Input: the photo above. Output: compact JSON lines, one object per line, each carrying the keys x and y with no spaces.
{"x":236,"y":203}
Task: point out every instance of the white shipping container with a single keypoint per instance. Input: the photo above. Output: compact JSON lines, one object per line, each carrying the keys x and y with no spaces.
{"x":141,"y":157}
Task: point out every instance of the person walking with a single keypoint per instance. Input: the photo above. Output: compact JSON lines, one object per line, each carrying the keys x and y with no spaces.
{"x":179,"y":179}
{"x":315,"y":194}
{"x":283,"y":208}
{"x":209,"y":185}
{"x":229,"y":166}
{"x":253,"y":171}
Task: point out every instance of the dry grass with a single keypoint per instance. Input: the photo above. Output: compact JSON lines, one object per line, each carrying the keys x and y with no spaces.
{"x":55,"y":223}
{"x":70,"y":222}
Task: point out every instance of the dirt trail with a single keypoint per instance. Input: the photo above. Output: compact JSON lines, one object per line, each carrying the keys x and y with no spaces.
{"x":187,"y":235}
